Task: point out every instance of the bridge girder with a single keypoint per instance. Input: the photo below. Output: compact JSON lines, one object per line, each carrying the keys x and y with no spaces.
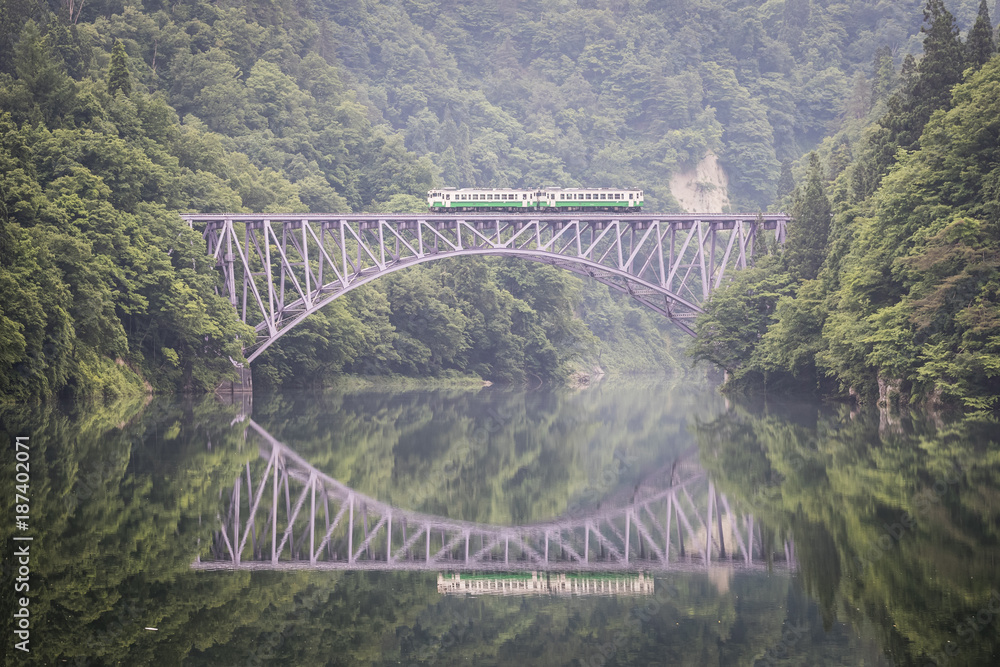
{"x":279,"y":269}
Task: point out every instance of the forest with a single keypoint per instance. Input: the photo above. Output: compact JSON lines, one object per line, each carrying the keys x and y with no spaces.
{"x":116,"y":116}
{"x":887,"y":288}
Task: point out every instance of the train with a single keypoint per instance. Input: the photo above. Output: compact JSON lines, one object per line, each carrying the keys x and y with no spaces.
{"x":550,"y":200}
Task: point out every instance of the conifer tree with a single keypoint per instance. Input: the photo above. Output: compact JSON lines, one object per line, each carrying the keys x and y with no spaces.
{"x":928,"y":88}
{"x":883,"y":74}
{"x":979,"y":45}
{"x":41,"y":71}
{"x":805,"y":247}
{"x":942,"y":64}
{"x":908,"y":70}
{"x":118,"y":76}
{"x":785,"y":181}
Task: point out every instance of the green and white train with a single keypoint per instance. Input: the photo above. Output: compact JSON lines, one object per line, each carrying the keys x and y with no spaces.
{"x":483,"y":200}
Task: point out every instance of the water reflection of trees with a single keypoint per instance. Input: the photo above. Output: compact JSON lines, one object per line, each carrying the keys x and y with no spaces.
{"x":124,"y":494}
{"x":896,"y":525}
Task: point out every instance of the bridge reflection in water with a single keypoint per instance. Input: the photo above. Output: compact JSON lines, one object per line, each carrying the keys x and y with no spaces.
{"x":284,"y":514}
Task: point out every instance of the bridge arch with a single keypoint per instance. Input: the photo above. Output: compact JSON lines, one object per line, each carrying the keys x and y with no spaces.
{"x":279,"y":269}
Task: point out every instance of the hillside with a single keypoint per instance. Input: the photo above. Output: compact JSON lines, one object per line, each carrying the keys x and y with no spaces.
{"x":118,"y":116}
{"x":888,"y":287}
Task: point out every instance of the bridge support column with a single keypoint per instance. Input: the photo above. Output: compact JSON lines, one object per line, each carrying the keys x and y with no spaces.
{"x":242,"y":385}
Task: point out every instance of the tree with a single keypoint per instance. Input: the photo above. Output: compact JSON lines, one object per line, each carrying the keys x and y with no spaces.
{"x":118,"y":75}
{"x":883,"y":74}
{"x":738,"y":316}
{"x":805,"y":248}
{"x":979,"y":45}
{"x":786,"y":183}
{"x":929,"y":88}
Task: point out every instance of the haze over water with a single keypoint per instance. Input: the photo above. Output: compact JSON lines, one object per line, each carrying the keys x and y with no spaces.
{"x":875,"y":539}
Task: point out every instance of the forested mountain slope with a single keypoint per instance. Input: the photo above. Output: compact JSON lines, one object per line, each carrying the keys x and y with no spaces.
{"x":896,"y":297}
{"x":117,"y":115}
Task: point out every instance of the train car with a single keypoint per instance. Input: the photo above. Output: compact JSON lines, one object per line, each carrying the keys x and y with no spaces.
{"x":591,"y":199}
{"x":552,"y":199}
{"x":446,"y":200}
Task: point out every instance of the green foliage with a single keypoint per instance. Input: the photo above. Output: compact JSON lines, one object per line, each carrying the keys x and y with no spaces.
{"x":118,"y":75}
{"x":929,"y":89}
{"x":903,"y":302}
{"x":979,"y":46}
{"x":809,"y":228}
{"x":738,"y":316}
{"x":118,"y":115}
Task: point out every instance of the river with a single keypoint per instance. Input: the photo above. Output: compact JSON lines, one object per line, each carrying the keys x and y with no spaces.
{"x":630,"y":523}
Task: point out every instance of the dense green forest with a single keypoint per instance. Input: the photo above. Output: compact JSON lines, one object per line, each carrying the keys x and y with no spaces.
{"x":887,"y":288}
{"x":114,"y":116}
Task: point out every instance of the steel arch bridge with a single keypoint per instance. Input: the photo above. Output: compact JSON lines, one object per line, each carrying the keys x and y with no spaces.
{"x":279,"y":269}
{"x":284,"y":514}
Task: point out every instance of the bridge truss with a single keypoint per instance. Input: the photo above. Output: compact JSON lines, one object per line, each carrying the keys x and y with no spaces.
{"x":284,"y":514}
{"x":279,"y":269}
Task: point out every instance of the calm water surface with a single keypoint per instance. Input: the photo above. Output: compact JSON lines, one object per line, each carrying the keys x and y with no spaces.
{"x":626,"y":524}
